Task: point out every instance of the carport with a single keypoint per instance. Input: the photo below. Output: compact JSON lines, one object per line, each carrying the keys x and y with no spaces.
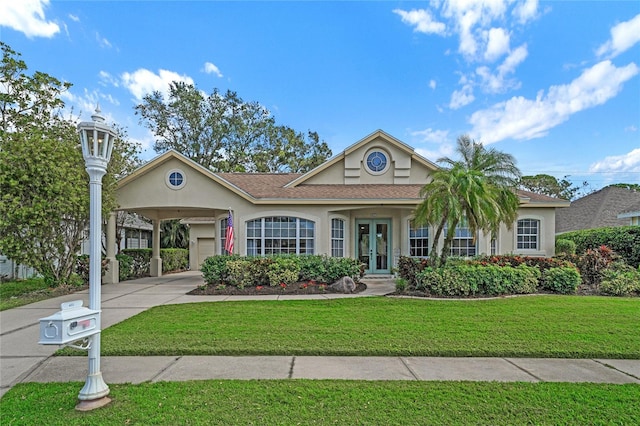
{"x":168,"y":187}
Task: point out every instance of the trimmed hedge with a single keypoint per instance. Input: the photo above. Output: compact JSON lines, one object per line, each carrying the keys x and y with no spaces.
{"x":471,"y":280}
{"x":251,"y":271}
{"x":136,"y":263}
{"x":561,"y":280}
{"x":624,"y":240}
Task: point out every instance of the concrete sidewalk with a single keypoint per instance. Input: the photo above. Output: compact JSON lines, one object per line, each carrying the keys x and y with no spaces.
{"x":23,"y":359}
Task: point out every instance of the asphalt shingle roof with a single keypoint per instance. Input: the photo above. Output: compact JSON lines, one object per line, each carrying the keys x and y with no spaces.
{"x":597,"y":210}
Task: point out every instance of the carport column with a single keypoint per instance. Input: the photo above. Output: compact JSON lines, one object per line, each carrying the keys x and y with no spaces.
{"x":156,"y":261}
{"x":112,"y":276}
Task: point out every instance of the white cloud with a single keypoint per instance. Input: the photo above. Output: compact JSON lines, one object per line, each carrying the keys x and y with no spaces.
{"x":522,"y":118}
{"x":430,"y":135}
{"x":497,"y":44}
{"x":526,"y":11}
{"x":142,"y":81}
{"x":27,"y":16}
{"x":432,"y":84}
{"x":210,"y":68}
{"x":108,"y":79}
{"x":498,"y":82}
{"x":623,"y":36}
{"x":74,"y":18}
{"x":467,"y":15}
{"x":103,"y":42}
{"x":462,"y":97}
{"x":422,"y":20}
{"x":629,"y":162}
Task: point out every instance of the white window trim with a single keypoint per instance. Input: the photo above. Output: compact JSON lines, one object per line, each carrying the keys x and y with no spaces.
{"x":168,"y":182}
{"x":345,"y":239}
{"x":298,"y":238}
{"x":536,"y":251}
{"x":429,"y":239}
{"x":371,"y":151}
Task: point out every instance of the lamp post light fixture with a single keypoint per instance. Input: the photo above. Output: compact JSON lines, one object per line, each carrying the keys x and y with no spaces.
{"x":97,"y":140}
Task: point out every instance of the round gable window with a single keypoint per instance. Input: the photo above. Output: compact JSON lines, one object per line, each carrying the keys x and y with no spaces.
{"x":377,"y":162}
{"x":176,"y":179}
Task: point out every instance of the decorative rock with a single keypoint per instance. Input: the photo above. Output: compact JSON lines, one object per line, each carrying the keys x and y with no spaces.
{"x":344,"y":285}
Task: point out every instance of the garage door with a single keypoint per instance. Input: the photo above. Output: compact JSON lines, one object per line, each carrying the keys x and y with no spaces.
{"x":206,"y":248}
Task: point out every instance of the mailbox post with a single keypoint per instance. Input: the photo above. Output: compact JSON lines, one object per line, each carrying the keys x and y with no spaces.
{"x":97,"y":141}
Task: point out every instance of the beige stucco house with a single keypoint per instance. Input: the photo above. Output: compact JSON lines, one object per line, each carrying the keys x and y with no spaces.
{"x":356,"y":204}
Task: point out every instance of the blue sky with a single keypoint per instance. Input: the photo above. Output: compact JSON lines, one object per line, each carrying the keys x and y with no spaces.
{"x":556,"y":83}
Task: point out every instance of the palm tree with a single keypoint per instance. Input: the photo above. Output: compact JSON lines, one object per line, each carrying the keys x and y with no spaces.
{"x":479,"y":189}
{"x":174,"y":234}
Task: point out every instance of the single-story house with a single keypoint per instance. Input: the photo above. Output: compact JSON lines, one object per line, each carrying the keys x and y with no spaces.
{"x":631,"y":214}
{"x":357,"y":204}
{"x":610,"y":206}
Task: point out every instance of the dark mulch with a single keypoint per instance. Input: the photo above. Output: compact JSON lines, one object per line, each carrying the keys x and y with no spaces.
{"x":298,"y":288}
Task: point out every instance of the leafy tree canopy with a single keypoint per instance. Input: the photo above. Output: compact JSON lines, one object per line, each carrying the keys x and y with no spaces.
{"x":226,"y":134}
{"x":549,"y":185}
{"x":44,"y":188}
{"x":631,"y":186}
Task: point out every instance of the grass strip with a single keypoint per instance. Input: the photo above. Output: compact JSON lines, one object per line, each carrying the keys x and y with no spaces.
{"x":278,"y":402}
{"x":23,"y":292}
{"x":539,"y":326}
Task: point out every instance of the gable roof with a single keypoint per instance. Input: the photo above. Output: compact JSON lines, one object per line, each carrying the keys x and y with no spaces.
{"x":287,"y":188}
{"x":597,"y":210}
{"x":375,"y":135}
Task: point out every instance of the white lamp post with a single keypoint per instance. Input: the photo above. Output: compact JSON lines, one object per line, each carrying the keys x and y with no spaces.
{"x":97,"y":140}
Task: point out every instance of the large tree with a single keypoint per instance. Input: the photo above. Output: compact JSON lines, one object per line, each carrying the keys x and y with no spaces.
{"x":226,"y":134}
{"x":549,"y":185}
{"x":478,"y":190}
{"x":44,"y":188}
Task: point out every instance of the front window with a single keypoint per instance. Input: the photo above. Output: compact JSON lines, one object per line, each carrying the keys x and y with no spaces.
{"x":280,"y":235}
{"x":418,"y":240}
{"x":464,"y":242}
{"x":337,"y":238}
{"x":528,"y":234}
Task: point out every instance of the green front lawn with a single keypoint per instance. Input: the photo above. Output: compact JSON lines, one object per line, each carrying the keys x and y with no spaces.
{"x":291,"y":402}
{"x":532,"y":326}
{"x":23,"y":292}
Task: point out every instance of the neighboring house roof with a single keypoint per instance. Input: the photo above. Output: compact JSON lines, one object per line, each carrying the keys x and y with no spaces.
{"x":597,"y":210}
{"x":132,"y":221}
{"x":632,"y":211}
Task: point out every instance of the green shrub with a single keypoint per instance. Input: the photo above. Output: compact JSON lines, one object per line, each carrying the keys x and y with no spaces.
{"x":620,"y":280}
{"x":443,"y":282}
{"x":338,"y":267}
{"x":141,"y":266}
{"x":284,"y":270}
{"x":593,"y":263}
{"x":463,"y":280}
{"x":174,"y":259}
{"x":125,"y":263}
{"x":410,"y":267}
{"x":624,"y":240}
{"x":561,"y":280}
{"x":565,"y":247}
{"x":239,"y":273}
{"x":313,"y":268}
{"x":214,"y":269}
{"x":401,"y":285}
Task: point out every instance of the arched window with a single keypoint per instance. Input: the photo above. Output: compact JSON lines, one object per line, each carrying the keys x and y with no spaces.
{"x":528,"y":234}
{"x":280,"y":235}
